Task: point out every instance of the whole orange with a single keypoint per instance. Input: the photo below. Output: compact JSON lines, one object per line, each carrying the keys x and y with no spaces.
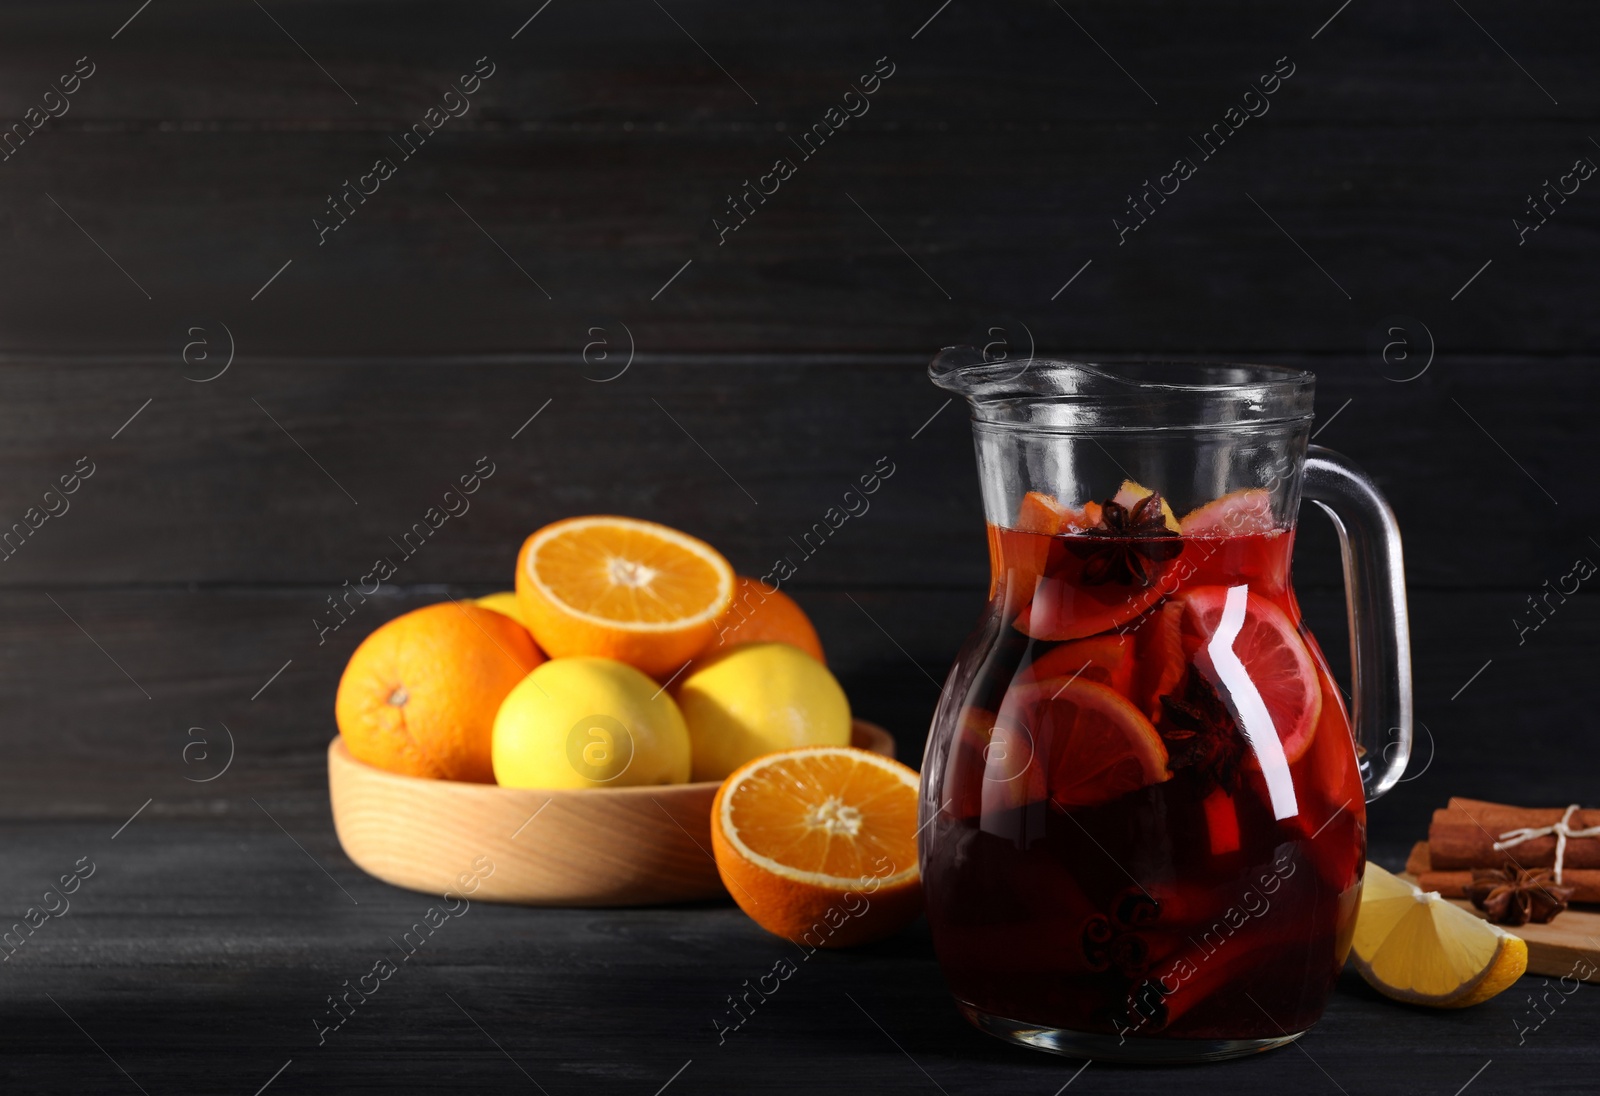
{"x":760,"y":615}
{"x":419,"y":696}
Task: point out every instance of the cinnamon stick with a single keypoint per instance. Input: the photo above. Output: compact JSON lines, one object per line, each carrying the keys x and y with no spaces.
{"x":1585,"y":883}
{"x":1463,"y":836}
{"x":1453,"y":884}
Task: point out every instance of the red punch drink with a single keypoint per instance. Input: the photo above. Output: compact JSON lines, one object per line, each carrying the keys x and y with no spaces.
{"x":1143,"y":799}
{"x":1151,"y":821}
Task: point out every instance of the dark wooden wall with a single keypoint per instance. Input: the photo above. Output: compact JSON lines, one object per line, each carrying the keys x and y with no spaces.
{"x":459,"y":299}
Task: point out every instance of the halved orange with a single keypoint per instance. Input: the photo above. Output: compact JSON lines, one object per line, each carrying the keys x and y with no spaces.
{"x":1092,"y":743}
{"x":621,"y":588}
{"x":819,"y":845}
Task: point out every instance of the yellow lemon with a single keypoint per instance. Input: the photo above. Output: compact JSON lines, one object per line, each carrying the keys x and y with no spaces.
{"x":756,"y":698}
{"x":589,"y":723}
{"x":504,"y":602}
{"x":1414,"y":946}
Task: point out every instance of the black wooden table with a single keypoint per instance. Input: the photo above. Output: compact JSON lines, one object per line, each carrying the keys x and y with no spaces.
{"x":202,"y":954}
{"x":255,"y":403}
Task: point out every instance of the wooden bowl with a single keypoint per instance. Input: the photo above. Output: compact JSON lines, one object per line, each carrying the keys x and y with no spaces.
{"x":594,"y":847}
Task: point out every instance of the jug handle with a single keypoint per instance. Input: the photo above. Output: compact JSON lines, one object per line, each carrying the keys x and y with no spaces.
{"x":1375,"y":596}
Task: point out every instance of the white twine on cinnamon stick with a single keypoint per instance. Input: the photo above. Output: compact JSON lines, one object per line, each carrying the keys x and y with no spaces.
{"x":1562,"y":830}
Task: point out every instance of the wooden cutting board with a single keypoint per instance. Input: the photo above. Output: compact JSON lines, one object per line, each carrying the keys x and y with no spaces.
{"x":1568,"y":947}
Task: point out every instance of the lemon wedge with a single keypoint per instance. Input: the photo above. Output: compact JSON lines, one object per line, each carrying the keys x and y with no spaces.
{"x":1131,"y":493}
{"x":1416,"y":947}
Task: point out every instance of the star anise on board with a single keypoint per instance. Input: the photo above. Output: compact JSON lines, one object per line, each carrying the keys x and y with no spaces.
{"x":1201,"y":734}
{"x":1514,"y":895}
{"x":1135,"y":538}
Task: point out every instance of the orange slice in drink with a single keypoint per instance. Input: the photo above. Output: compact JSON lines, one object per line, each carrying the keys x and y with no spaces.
{"x":1268,"y":644}
{"x":819,"y":845}
{"x":1070,"y":601}
{"x":620,"y":588}
{"x":1065,"y":607}
{"x":991,"y":768}
{"x":1163,"y":657}
{"x":1235,"y":514}
{"x":1045,"y":516}
{"x":1041,"y":513}
{"x":1275,"y":659}
{"x":1105,"y":660}
{"x":1092,"y":743}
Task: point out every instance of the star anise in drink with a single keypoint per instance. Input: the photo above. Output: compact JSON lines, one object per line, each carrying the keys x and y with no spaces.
{"x":1514,"y":895}
{"x":1133,"y":542}
{"x":1201,"y":734}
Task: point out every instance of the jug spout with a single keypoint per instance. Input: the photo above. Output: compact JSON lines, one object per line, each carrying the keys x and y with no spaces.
{"x":1063,"y":395}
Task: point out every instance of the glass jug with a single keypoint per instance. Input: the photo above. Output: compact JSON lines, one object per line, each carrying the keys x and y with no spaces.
{"x":1143,"y":805}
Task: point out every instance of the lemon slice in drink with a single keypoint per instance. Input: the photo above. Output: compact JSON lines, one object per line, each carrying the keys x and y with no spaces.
{"x":1416,"y":947}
